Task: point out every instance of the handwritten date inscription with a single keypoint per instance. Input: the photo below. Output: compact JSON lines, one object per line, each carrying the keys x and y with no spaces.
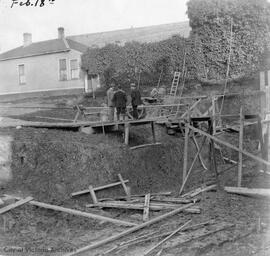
{"x":33,"y":3}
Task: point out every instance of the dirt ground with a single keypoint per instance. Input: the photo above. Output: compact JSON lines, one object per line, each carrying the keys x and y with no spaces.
{"x":50,"y":164}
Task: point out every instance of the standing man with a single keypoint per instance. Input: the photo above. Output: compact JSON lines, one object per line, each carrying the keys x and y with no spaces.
{"x":135,"y":100}
{"x":110,"y":103}
{"x":120,"y":102}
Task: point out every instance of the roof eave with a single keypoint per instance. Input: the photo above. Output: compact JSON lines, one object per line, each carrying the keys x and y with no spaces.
{"x":33,"y":55}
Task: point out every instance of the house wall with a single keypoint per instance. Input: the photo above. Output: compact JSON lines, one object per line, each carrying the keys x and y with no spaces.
{"x":42,"y":74}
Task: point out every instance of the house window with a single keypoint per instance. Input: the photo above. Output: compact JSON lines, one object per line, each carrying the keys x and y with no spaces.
{"x":22,"y":79}
{"x":74,"y":69}
{"x":63,"y":70}
{"x":266,"y":78}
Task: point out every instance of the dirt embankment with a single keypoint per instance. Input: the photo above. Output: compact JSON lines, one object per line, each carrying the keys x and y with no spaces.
{"x":50,"y":164}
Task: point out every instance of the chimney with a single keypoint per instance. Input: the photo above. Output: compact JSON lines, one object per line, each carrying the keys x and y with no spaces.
{"x":61,"y":33}
{"x":27,"y":39}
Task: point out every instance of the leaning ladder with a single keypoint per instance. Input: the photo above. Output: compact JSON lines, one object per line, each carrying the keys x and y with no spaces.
{"x":175,"y":83}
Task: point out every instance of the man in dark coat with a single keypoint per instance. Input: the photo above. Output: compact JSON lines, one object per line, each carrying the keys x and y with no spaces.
{"x":135,"y":100}
{"x":120,"y":102}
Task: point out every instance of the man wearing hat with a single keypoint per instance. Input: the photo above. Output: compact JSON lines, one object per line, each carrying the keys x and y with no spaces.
{"x":135,"y":100}
{"x":120,"y":101}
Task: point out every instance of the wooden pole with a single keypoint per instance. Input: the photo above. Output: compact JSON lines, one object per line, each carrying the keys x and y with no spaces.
{"x":165,"y":239}
{"x":153,"y":131}
{"x":240,"y":154}
{"x":185,"y":152}
{"x":16,"y":204}
{"x":80,"y":213}
{"x":214,"y":114}
{"x":126,"y":133}
{"x":258,"y":159}
{"x":129,"y":231}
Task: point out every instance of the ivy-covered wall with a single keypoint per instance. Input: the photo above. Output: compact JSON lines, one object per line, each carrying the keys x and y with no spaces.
{"x":227,"y":42}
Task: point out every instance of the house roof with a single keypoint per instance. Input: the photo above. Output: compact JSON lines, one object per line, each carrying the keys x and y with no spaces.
{"x":143,"y":34}
{"x":44,"y":47}
{"x":82,"y":42}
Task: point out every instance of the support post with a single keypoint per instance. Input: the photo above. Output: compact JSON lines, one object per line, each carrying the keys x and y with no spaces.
{"x":212,"y":149}
{"x":153,"y":131}
{"x":240,"y":155}
{"x":214,"y":114}
{"x":185,"y":153}
{"x":127,"y":133}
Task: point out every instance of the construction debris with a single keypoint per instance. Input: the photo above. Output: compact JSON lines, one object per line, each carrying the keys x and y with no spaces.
{"x":166,"y":239}
{"x":131,"y":230}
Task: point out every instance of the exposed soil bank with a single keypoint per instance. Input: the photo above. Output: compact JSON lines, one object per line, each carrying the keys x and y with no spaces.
{"x":50,"y":164}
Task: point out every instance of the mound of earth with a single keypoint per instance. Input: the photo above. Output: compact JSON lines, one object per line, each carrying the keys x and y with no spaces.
{"x":51,"y":164}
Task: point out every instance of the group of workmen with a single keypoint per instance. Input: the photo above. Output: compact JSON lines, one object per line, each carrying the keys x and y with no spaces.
{"x":117,"y":99}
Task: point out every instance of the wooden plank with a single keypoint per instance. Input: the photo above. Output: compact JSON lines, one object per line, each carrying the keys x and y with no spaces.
{"x":166,"y":239}
{"x":175,"y":200}
{"x":86,"y":191}
{"x":258,"y":159}
{"x":140,"y":206}
{"x":135,"y":196}
{"x":16,"y":204}
{"x":146,"y":207}
{"x":199,"y":190}
{"x":195,"y":193}
{"x":126,"y":189}
{"x":240,"y":154}
{"x":93,"y":194}
{"x":80,"y":213}
{"x":54,"y":118}
{"x":129,"y":231}
{"x":145,"y":145}
{"x":256,"y":192}
{"x":185,"y":153}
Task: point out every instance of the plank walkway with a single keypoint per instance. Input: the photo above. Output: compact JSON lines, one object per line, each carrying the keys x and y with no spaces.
{"x":86,"y":123}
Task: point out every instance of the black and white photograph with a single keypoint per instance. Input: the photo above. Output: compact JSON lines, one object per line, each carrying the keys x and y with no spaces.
{"x":134,"y":127}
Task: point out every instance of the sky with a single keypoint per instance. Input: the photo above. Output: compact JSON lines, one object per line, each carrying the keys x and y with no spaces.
{"x":81,"y":17}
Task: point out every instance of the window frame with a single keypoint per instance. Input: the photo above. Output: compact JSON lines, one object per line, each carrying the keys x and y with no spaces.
{"x":59,"y":75}
{"x":266,"y":78}
{"x":70,"y":70}
{"x":24,"y":74}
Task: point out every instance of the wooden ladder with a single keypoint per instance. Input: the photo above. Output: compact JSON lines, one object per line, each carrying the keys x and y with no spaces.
{"x":175,"y":83}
